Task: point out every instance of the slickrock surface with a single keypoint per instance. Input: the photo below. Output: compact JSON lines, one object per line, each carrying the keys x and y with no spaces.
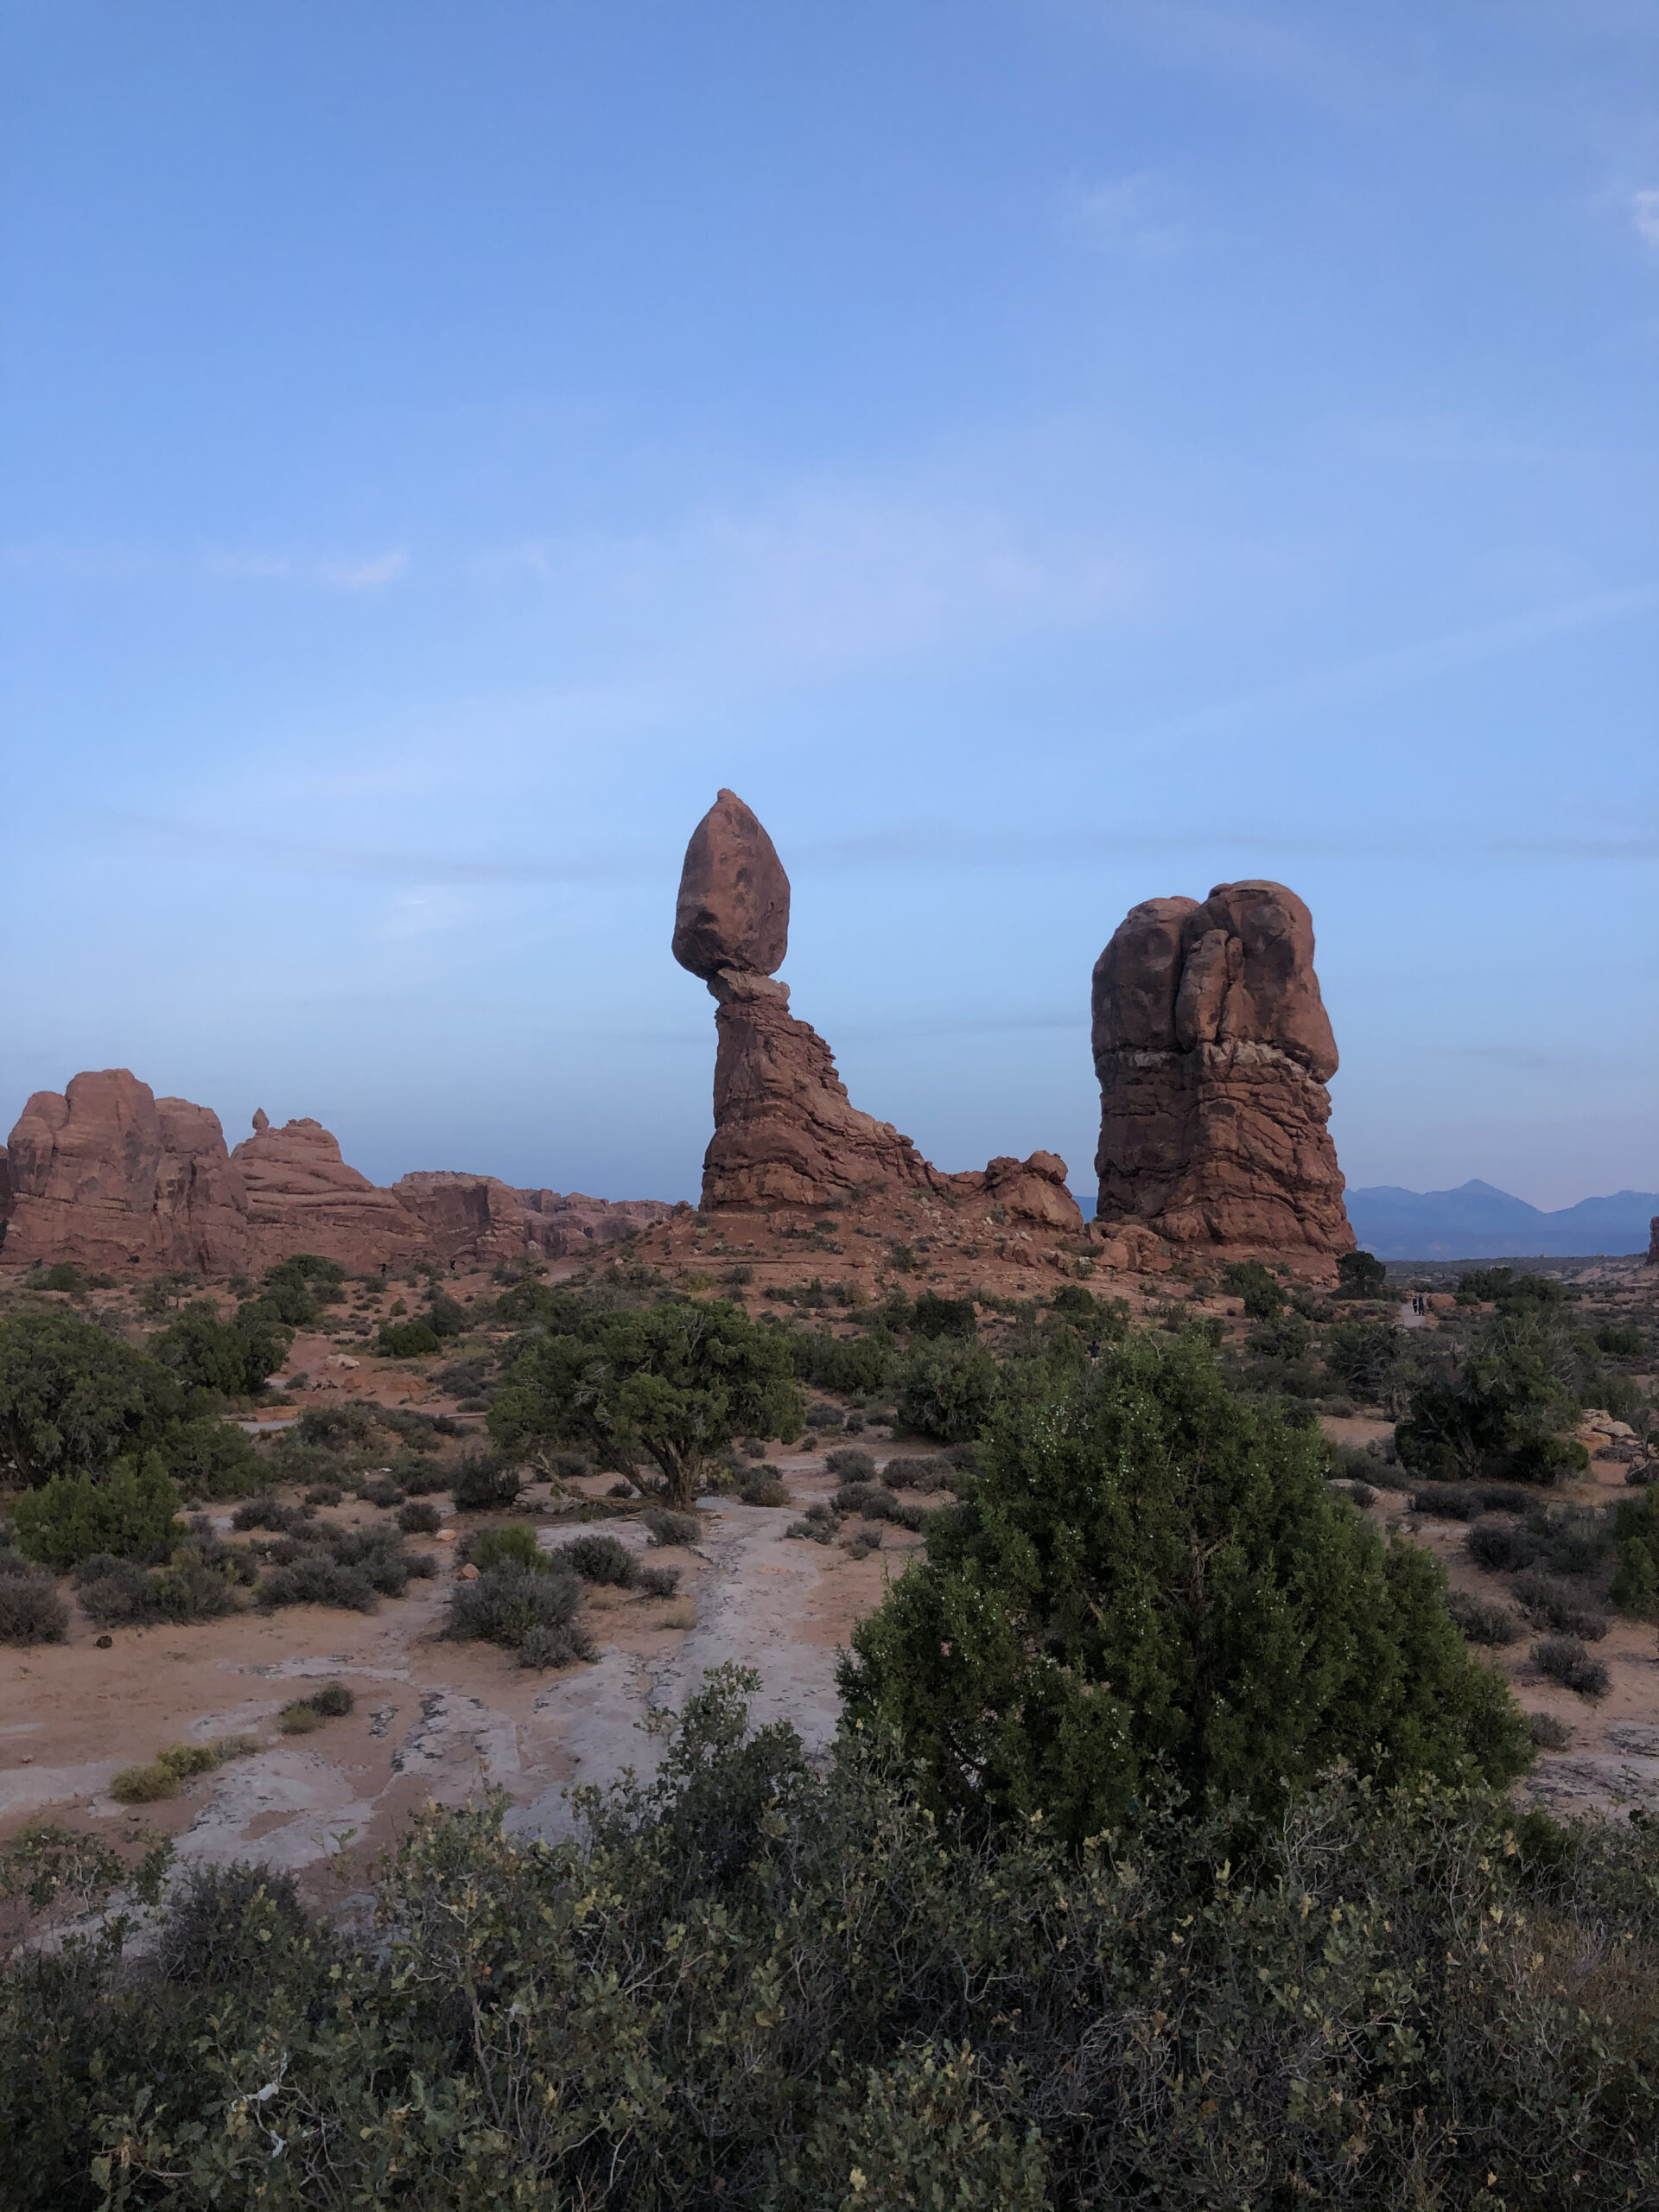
{"x":1213,"y":1049}
{"x":786,"y":1135}
{"x":106,"y":1173}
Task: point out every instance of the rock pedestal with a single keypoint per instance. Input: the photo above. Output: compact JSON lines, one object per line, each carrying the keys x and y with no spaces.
{"x":1213,"y":1049}
{"x":786,"y":1135}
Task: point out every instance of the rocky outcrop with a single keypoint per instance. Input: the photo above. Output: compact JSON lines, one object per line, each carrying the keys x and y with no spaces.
{"x":1213,"y":1049}
{"x":1653,"y":1242}
{"x":566,"y":1224}
{"x":786,"y":1135}
{"x":105,"y":1173}
{"x":303,"y":1198}
{"x":108,"y":1176}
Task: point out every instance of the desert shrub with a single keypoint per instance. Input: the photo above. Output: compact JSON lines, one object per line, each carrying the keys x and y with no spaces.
{"x":415,"y":1431}
{"x":1501,"y":1414}
{"x":597,"y":1559}
{"x":225,"y":1926}
{"x":31,"y":1612}
{"x":349,"y":1567}
{"x":269,"y":1512}
{"x":465,"y":1378}
{"x":301,"y":1715}
{"x":1360,"y":1274}
{"x":483,"y":1482}
{"x":1258,"y":1290}
{"x":72,"y":1396}
{"x":419,"y":1519}
{"x":1635,"y":1537}
{"x":297,"y":1289}
{"x":657,"y":1581}
{"x":382,"y":1493}
{"x":533,"y":1614}
{"x":933,"y":1316}
{"x":511,"y":1545}
{"x":417,"y":1476}
{"x":681,"y":1380}
{"x":1483,"y":1620}
{"x":1565,"y":1660}
{"x":926,"y":2028}
{"x":927,"y":1472}
{"x":321,"y":1494}
{"x":143,"y":1785}
{"x":1051,"y":1652}
{"x":164,"y":1775}
{"x":1548,"y":1733}
{"x":850,"y":1463}
{"x":117,"y":1592}
{"x":762,"y":1487}
{"x":861,"y":1497}
{"x":754,"y":1447}
{"x":820,"y":1531}
{"x":825,"y":1416}
{"x":407,"y":1340}
{"x":1360,"y":1494}
{"x":1500,"y":1548}
{"x":1557,"y":1605}
{"x":857,"y":1366}
{"x":1573,"y":1540}
{"x":445,"y":1316}
{"x":863,"y":1541}
{"x":1621,"y":1340}
{"x":132,"y":1512}
{"x":948,"y":1390}
{"x":336,"y":1428}
{"x":317,"y":1579}
{"x":673,"y":1527}
{"x":232,"y":1357}
{"x":1447,"y":1502}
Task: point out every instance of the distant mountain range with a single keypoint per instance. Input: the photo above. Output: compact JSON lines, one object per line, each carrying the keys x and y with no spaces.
{"x":1476,"y":1221}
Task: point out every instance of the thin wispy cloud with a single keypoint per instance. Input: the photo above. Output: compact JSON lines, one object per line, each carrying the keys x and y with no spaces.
{"x":1644,"y":216}
{"x":1140,"y":217}
{"x":258,"y":564}
{"x":1129,"y":218}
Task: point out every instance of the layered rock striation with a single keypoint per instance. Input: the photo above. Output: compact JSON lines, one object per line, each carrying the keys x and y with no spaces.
{"x":786,"y":1135}
{"x":1213,"y":1049}
{"x":108,"y":1176}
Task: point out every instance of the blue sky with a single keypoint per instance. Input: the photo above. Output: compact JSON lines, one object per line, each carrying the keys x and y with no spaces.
{"x":1042,"y":455}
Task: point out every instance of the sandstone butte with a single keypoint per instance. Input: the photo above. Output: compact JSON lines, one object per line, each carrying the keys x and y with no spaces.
{"x":106,"y":1174}
{"x":1213,"y":1049}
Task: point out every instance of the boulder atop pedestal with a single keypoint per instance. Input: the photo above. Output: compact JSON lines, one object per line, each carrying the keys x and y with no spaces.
{"x":732,"y":910}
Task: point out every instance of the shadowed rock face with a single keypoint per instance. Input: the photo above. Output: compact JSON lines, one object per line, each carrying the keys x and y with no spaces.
{"x":786,"y":1135}
{"x":1213,"y":1049}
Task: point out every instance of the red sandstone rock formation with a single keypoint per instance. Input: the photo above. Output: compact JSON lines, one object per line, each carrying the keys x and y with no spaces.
{"x":786,"y":1135}
{"x":110,"y":1176}
{"x":105,"y":1173}
{"x":303,"y":1198}
{"x":1213,"y":1049}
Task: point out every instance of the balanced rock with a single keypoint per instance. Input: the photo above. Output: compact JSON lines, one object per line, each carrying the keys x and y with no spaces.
{"x":786,"y":1135}
{"x":106,"y":1174}
{"x":732,"y":910}
{"x":1213,"y":1049}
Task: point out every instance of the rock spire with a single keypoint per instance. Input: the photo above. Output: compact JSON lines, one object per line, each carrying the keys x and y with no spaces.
{"x":1213,"y":1049}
